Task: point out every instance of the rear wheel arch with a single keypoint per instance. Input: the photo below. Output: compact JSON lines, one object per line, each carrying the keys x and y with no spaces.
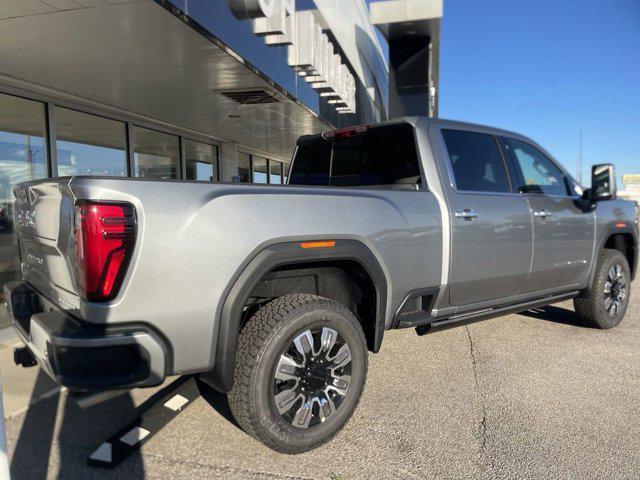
{"x":283,"y":256}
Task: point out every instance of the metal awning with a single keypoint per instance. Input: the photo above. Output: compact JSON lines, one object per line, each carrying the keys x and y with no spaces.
{"x":137,"y":57}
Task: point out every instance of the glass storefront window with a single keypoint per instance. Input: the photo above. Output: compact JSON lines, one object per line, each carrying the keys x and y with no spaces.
{"x":22,"y":157}
{"x":276,"y":172}
{"x":201,"y":160}
{"x":156,"y":154}
{"x":260,"y":170}
{"x":89,"y":144}
{"x":244,"y":167}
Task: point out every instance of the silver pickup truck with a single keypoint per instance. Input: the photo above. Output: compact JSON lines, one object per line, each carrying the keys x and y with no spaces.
{"x":416,"y":223}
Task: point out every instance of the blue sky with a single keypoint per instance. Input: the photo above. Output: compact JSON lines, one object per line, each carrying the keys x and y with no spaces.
{"x":548,"y":69}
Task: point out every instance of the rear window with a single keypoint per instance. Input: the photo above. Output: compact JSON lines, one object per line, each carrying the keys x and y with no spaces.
{"x":384,"y":155}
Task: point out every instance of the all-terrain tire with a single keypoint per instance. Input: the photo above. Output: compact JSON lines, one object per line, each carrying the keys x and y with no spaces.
{"x":261,"y":343}
{"x":592,"y":304}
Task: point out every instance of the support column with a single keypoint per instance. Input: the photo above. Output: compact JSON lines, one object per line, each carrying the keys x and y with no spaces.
{"x":409,"y":76}
{"x":412,"y":29}
{"x":228,"y":161}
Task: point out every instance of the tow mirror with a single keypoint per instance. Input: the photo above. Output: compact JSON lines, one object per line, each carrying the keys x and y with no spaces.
{"x":603,"y":183}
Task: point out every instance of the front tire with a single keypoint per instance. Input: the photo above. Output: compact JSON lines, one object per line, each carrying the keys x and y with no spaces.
{"x":605,"y":302}
{"x":300,"y":369}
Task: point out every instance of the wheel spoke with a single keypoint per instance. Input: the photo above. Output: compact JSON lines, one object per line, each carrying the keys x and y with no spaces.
{"x":304,"y":345}
{"x":286,"y":399}
{"x":340,"y":384}
{"x":342,"y":358}
{"x":303,"y":416}
{"x":327,"y":407}
{"x":607,"y":287}
{"x":607,"y":303}
{"x":328,"y":339}
{"x":287,"y":369}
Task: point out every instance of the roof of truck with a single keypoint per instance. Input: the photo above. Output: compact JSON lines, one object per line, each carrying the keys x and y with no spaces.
{"x":414,"y":120}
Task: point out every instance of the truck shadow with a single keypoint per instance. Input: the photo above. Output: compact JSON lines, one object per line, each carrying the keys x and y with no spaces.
{"x":218,"y":401}
{"x":57,"y":430}
{"x":555,"y":314}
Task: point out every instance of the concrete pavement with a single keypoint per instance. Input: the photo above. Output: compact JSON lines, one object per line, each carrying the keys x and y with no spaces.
{"x":533,"y":395}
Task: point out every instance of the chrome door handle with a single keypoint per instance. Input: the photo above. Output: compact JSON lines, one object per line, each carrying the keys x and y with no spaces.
{"x":542,"y":214}
{"x":467,"y":214}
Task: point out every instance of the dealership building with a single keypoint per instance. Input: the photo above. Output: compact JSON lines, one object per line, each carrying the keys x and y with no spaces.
{"x":202,"y":90}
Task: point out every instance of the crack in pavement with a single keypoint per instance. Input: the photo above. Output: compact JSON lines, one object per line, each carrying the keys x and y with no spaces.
{"x":482,"y":425}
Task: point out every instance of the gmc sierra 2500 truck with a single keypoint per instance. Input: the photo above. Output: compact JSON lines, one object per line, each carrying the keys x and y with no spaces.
{"x":275,"y":294}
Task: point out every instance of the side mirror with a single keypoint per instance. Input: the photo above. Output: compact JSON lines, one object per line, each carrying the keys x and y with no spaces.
{"x":603,"y":183}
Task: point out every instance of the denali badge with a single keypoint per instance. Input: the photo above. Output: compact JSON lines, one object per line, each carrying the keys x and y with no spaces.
{"x":34,"y":259}
{"x":27,"y":219}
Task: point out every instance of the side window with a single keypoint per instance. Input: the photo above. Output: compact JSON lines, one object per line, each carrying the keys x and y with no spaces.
{"x":384,"y":155}
{"x":538,"y":173}
{"x":476,"y":162}
{"x":312,"y":164}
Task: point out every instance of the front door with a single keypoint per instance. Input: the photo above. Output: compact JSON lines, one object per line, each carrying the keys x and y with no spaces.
{"x":563,"y":232}
{"x":491,"y":234}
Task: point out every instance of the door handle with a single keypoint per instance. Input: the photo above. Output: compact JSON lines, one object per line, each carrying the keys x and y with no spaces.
{"x":467,"y":214}
{"x":542,"y":214}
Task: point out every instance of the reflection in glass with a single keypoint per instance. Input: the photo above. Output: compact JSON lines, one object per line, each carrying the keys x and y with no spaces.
{"x":156,"y":154}
{"x":201,"y":161}
{"x":276,"y":172}
{"x":244,"y":168}
{"x":89,"y":145}
{"x":22,"y":157}
{"x":260,"y":170}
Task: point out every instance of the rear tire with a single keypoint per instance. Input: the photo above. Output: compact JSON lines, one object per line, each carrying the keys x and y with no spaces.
{"x":300,"y":369}
{"x":605,"y":302}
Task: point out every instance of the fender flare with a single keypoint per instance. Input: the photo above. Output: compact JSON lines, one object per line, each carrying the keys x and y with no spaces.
{"x":230,"y":315}
{"x":608,"y":232}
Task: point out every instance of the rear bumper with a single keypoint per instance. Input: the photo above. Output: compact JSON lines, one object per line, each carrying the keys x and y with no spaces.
{"x":80,"y":356}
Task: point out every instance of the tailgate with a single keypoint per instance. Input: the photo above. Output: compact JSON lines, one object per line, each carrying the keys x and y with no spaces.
{"x":44,"y":219}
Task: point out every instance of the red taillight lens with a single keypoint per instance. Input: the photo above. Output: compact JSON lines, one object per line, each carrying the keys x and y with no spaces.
{"x":105,"y":235}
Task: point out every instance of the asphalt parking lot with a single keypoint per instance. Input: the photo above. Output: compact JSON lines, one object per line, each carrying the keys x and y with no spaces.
{"x":533,"y":395}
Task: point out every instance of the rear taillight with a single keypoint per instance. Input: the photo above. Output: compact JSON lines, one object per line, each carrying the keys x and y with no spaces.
{"x":105,"y":235}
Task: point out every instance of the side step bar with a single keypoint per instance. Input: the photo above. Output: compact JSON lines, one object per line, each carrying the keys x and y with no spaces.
{"x":486,"y":314}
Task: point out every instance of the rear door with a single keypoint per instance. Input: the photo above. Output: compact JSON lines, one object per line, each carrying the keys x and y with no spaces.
{"x":563,"y":232}
{"x":491,"y":234}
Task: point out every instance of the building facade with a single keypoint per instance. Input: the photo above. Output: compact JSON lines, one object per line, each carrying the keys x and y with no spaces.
{"x":630,"y":187}
{"x":201,"y":90}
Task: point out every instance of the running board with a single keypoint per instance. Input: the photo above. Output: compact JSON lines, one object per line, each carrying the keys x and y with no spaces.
{"x":486,"y":314}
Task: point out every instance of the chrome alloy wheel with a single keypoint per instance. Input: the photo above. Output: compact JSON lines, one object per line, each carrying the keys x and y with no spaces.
{"x":615,"y":290}
{"x":312,"y":377}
